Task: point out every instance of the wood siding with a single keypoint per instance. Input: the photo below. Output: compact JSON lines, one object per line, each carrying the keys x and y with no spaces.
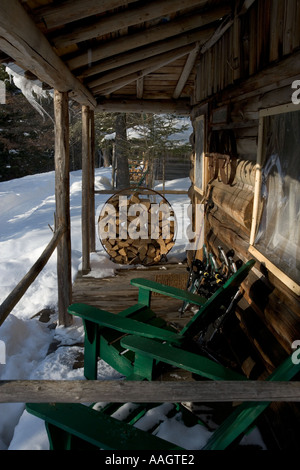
{"x":250,"y":68}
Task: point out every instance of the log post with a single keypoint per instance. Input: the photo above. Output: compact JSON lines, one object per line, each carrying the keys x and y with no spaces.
{"x":86,"y":168}
{"x":62,"y":198}
{"x":92,"y":184}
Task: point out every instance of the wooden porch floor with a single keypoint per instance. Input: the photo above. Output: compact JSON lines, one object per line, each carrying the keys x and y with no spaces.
{"x":116,"y":293}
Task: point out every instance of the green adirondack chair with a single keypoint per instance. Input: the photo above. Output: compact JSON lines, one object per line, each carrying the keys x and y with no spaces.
{"x":104,"y":330}
{"x":75,"y":426}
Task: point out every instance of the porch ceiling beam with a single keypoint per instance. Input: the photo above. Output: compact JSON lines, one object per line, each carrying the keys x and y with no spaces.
{"x":143,"y":38}
{"x":23,"y":41}
{"x":156,"y":64}
{"x":188,"y":67}
{"x":147,"y":51}
{"x":72,"y":10}
{"x":123,"y":19}
{"x":180,"y":107}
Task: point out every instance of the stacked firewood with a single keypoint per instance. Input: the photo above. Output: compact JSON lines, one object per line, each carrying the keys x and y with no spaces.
{"x":135,"y":228}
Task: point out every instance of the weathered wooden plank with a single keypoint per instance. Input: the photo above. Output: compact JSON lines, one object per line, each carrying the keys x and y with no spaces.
{"x":145,"y":52}
{"x":163,"y":191}
{"x":140,"y":88}
{"x":123,"y":19}
{"x":289,"y":15}
{"x":186,"y":71}
{"x":23,"y":41}
{"x":263,"y":81}
{"x":73,"y":10}
{"x":62,"y":199}
{"x":140,"y":67}
{"x":156,"y":33}
{"x":92,"y":184}
{"x":181,"y":107}
{"x":86,"y":175}
{"x":276,"y":15}
{"x":120,"y":391}
{"x":116,"y":293}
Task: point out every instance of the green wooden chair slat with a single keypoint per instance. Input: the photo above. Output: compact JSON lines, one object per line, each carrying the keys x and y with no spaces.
{"x":169,"y":291}
{"x":66,"y":421}
{"x":146,"y":349}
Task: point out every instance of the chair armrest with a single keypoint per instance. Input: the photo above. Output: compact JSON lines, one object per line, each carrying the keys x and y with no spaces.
{"x":180,"y":358}
{"x":122,"y":324}
{"x":169,"y":291}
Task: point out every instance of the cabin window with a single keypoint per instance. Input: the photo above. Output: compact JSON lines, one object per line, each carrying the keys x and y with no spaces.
{"x":199,"y":154}
{"x":275,"y":234}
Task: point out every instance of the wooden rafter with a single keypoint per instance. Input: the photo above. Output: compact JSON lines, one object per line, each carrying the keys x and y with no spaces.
{"x":73,"y":10}
{"x":167,"y":58}
{"x":148,"y":51}
{"x":123,"y":19}
{"x":157,"y":62}
{"x":186,"y":71}
{"x":180,"y":106}
{"x":151,"y":35}
{"x":24,"y":42}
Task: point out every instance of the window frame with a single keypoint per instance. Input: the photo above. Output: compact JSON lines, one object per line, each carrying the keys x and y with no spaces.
{"x":199,"y":190}
{"x":283,"y":277}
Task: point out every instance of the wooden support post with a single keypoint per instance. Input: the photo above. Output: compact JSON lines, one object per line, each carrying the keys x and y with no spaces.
{"x":92,"y":184}
{"x":62,"y":198}
{"x":86,"y":167}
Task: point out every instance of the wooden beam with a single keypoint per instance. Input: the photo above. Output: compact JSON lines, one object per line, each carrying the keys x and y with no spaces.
{"x":123,"y":19}
{"x":86,"y":169}
{"x":161,"y":191}
{"x":72,"y":10}
{"x":180,"y":107}
{"x":186,"y":71}
{"x":92,"y":184}
{"x":286,"y":71}
{"x":120,"y":391}
{"x":115,"y":85}
{"x":23,"y":41}
{"x":140,"y":88}
{"x":219,"y":32}
{"x":62,"y":200}
{"x":146,"y":52}
{"x":141,"y":68}
{"x":156,"y":33}
{"x":246,"y":5}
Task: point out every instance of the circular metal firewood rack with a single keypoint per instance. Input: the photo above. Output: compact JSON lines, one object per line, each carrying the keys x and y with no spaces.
{"x":137,"y":226}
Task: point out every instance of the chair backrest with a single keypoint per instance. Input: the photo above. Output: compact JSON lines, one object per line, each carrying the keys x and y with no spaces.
{"x":221,"y":297}
{"x":245,"y":414}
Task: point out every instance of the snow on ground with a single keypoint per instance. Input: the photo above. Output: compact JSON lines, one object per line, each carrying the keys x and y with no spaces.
{"x":27,"y":208}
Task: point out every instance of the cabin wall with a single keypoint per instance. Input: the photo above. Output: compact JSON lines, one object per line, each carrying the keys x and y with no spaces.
{"x":250,"y":68}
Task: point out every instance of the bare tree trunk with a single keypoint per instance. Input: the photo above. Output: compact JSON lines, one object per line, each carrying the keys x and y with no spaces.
{"x":106,"y":156}
{"x":123,"y":180}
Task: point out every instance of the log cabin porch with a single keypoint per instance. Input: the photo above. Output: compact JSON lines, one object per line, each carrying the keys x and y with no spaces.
{"x":115,"y":293}
{"x":231,"y":66}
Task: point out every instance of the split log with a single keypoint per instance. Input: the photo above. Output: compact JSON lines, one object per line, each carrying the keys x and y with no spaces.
{"x":137,"y":227}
